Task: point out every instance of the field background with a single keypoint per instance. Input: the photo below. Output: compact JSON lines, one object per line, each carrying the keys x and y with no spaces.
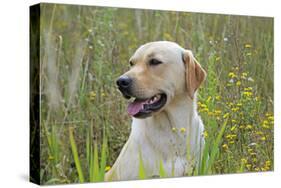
{"x":84,"y":49}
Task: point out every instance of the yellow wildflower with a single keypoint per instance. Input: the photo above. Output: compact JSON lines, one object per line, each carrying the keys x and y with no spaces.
{"x":103,"y":94}
{"x":203,"y":106}
{"x":238,"y":83}
{"x":241,"y":126}
{"x":107,"y":168}
{"x":231,"y":136}
{"x":257,"y":169}
{"x":174,"y":129}
{"x":225,"y":146}
{"x":230,"y":104}
{"x":167,"y":36}
{"x":247,"y":93}
{"x":265,"y":126}
{"x":254,"y":159}
{"x":231,"y":142}
{"x":182,"y":130}
{"x":244,"y":161}
{"x":211,"y":113}
{"x":231,"y":75}
{"x":268,"y":163}
{"x":218,"y":97}
{"x":92,"y":95}
{"x":208,"y":99}
{"x":265,"y":122}
{"x":248,"y":127}
{"x":244,"y":74}
{"x":248,"y":45}
{"x":248,"y":89}
{"x":268,"y":114}
{"x":217,"y":112}
{"x":226,"y":115}
{"x":270,"y":118}
{"x":248,"y":166}
{"x":233,"y":128}
{"x":205,"y":110}
{"x":205,"y":134}
{"x":235,"y":109}
{"x":250,"y":150}
{"x":239,"y":104}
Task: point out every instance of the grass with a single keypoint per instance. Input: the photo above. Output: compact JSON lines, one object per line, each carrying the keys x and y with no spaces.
{"x":83,"y":120}
{"x":76,"y":156}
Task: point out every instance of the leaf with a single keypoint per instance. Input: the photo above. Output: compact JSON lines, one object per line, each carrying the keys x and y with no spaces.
{"x":75,"y":155}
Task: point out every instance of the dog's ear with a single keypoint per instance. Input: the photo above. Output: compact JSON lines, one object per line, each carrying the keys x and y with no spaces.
{"x":194,"y":74}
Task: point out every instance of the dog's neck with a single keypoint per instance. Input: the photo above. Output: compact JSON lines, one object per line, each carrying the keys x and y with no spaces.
{"x":180,"y":111}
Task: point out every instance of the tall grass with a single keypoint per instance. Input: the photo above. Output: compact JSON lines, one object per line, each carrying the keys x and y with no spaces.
{"x":76,"y":156}
{"x":83,"y":120}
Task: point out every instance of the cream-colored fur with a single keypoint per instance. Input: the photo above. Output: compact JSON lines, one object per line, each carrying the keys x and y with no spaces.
{"x":174,"y":135}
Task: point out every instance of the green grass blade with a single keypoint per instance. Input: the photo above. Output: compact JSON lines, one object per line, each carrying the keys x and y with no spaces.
{"x":215,"y":147}
{"x":142,"y":174}
{"x":89,"y":153}
{"x":49,"y":140}
{"x":162,"y":172}
{"x":96,"y":164}
{"x":242,"y":167}
{"x":103,"y":159}
{"x":204,"y":161}
{"x":88,"y":149}
{"x":173,"y":170}
{"x":55,"y":144}
{"x":75,"y":156}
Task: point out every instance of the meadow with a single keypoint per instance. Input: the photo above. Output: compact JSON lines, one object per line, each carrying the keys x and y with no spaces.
{"x":84,"y":123}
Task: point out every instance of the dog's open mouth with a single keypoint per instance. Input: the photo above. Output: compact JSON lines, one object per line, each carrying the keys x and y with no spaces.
{"x":144,"y":107}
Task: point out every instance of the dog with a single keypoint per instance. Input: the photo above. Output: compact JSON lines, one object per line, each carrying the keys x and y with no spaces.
{"x":166,"y":130}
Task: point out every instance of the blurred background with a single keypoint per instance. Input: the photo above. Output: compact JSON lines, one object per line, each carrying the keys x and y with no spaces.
{"x":83,"y":49}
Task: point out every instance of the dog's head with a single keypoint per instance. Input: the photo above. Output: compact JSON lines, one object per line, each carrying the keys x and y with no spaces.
{"x":159,"y":72}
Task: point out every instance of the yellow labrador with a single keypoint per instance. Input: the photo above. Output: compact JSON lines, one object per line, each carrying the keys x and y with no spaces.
{"x":162,"y":82}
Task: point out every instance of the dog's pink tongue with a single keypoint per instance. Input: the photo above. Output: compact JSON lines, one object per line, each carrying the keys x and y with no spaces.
{"x":135,"y":107}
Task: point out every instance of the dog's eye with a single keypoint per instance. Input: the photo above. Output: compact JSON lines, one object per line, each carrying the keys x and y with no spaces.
{"x":154,"y":62}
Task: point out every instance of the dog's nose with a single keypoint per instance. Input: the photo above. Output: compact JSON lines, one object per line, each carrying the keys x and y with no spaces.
{"x":124,"y":82}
